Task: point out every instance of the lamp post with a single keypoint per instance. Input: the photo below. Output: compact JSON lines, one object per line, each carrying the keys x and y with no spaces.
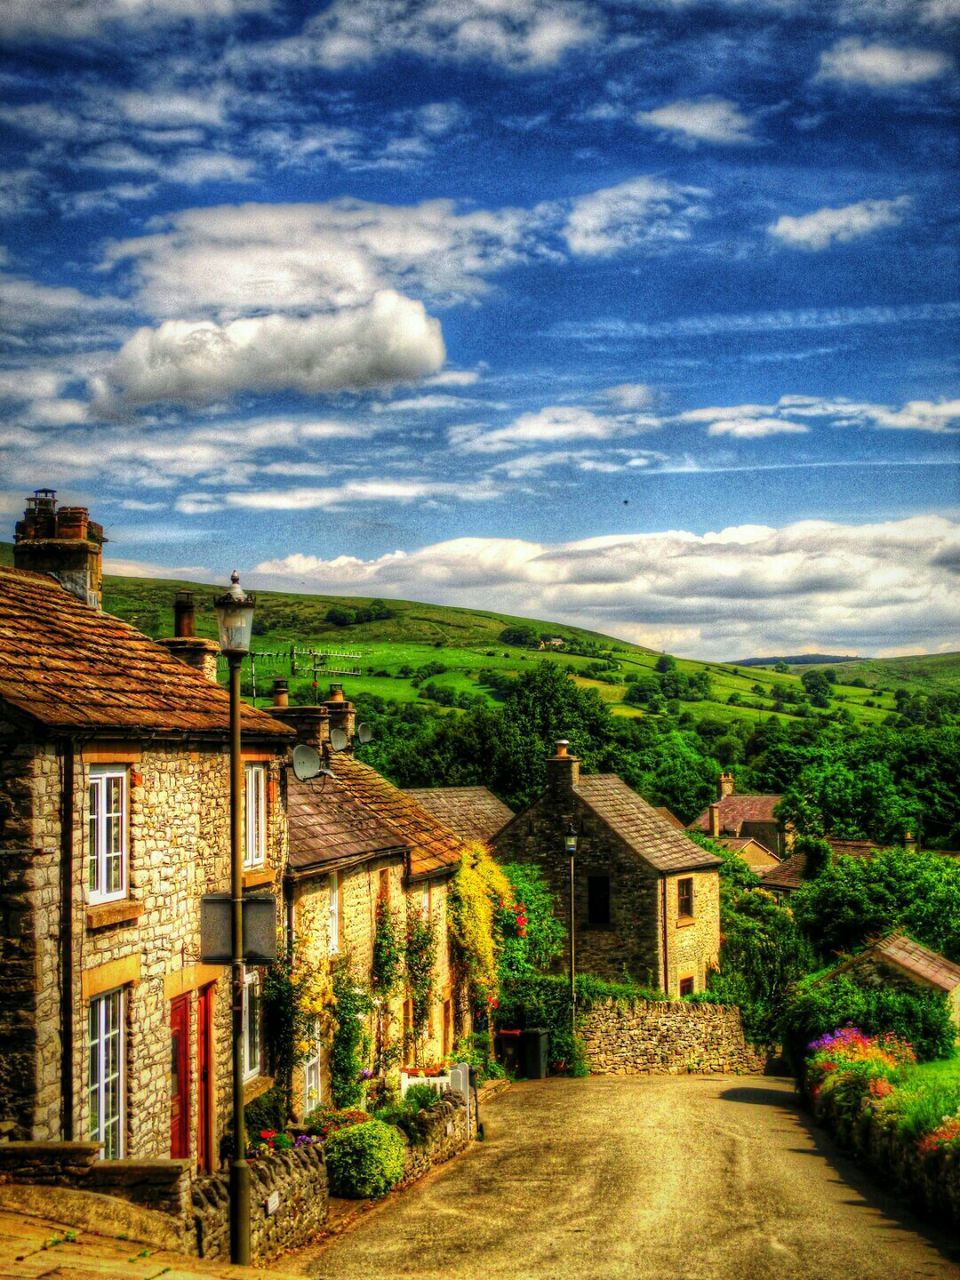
{"x":235,"y":620}
{"x":570,"y":844}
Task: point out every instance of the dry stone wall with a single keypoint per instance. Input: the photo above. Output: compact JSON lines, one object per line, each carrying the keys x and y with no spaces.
{"x":666,"y":1037}
{"x":445,"y":1134}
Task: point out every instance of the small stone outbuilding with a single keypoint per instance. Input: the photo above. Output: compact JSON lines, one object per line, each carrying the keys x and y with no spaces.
{"x":896,"y":960}
{"x":646,"y":896}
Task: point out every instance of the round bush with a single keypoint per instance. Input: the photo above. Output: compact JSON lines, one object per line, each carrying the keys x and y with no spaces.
{"x":365,"y":1160}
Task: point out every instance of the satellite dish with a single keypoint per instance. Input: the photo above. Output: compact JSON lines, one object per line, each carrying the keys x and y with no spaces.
{"x":306,"y":763}
{"x":364,"y":734}
{"x":338,"y":739}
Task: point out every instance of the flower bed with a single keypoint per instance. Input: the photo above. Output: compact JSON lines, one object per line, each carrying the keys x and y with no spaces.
{"x":899,"y":1118}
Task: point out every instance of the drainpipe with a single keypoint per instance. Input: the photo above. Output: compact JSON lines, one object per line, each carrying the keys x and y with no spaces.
{"x":663,"y":916}
{"x":67,"y":818}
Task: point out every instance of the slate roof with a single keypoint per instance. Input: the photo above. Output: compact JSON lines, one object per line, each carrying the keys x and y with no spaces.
{"x":788,"y":876}
{"x":434,"y":848}
{"x":916,"y":961}
{"x":474,"y":813}
{"x":648,"y":833}
{"x":69,"y":667}
{"x":736,"y":810}
{"x":672,"y":818}
{"x":854,"y":848}
{"x":330,"y":830}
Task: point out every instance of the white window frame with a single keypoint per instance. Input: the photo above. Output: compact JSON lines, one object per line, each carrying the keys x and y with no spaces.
{"x":312,"y":1091}
{"x":107,"y":833}
{"x":333,"y":940}
{"x":252,"y":1025}
{"x":106,"y":1072}
{"x":255,"y":815}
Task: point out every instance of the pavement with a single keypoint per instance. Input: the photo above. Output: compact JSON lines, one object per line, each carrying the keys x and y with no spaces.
{"x":606,"y":1178}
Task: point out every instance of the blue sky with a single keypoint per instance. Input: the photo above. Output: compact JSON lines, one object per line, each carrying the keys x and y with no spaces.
{"x":640,"y":314}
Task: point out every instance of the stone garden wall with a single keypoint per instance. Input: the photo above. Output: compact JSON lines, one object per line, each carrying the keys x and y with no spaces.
{"x":666,"y":1037}
{"x":445,"y":1130}
{"x":299,"y":1177}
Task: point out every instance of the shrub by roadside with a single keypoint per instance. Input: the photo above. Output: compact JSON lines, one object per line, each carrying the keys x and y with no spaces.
{"x":900,"y":1117}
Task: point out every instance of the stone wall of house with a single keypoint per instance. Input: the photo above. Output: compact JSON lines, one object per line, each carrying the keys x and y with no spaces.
{"x":445,"y":1134}
{"x":448,"y":1018}
{"x":666,"y":1037}
{"x":693,"y":944}
{"x":147,"y":943}
{"x":299,"y":1180}
{"x":20,"y":872}
{"x":631,"y":946}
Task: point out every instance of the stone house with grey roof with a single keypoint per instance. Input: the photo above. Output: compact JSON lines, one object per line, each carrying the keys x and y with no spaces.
{"x":646,"y":896}
{"x":896,"y":960}
{"x":114,"y":822}
{"x":474,"y":813}
{"x":358,"y":844}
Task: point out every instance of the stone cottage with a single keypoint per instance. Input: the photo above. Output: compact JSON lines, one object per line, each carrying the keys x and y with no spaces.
{"x":114,"y":821}
{"x":646,"y":897}
{"x":359,"y":846}
{"x":745,"y":817}
{"x":895,"y":960}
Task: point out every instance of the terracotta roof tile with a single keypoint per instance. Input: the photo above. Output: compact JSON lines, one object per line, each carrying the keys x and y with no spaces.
{"x":916,"y":961}
{"x":474,"y":813}
{"x":329,"y":828}
{"x":637,"y":823}
{"x":69,"y":667}
{"x":788,"y":876}
{"x":434,"y":848}
{"x":736,"y":810}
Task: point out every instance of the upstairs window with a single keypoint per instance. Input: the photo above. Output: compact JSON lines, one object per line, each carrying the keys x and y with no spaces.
{"x":255,"y":816}
{"x":685,"y":898}
{"x":107,"y":834}
{"x":598,"y":900}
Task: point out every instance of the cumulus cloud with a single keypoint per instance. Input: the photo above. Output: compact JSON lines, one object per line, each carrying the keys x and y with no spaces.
{"x":755,"y":428}
{"x":524,"y":35}
{"x":643,"y":213}
{"x":825,"y":227}
{"x":230,"y":259}
{"x":693,"y":120}
{"x":881,"y":66}
{"x":390,"y":340}
{"x":814,"y":585}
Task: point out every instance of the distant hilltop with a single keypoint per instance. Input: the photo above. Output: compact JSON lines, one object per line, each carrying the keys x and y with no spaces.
{"x":798,"y":660}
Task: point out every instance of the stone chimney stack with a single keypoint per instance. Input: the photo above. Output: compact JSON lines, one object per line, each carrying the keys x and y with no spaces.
{"x":311,"y":724}
{"x":341,"y":712}
{"x":726,"y":785}
{"x":185,"y":644}
{"x":563,"y":769}
{"x":714,"y":829}
{"x":64,"y":543}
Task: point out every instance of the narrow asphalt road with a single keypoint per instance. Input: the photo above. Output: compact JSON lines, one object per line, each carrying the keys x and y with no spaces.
{"x":645,"y":1178}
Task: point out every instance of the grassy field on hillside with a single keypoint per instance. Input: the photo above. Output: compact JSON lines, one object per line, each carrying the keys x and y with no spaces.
{"x":388,"y":657}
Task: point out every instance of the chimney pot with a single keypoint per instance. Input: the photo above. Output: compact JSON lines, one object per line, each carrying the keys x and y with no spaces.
{"x":726,"y":785}
{"x":281,"y":693}
{"x":184,"y":614}
{"x":563,"y":769}
{"x":65,"y":544}
{"x":715,"y":820}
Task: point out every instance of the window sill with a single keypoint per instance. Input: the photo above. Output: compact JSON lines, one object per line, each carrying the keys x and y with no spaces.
{"x":107,"y":913}
{"x":684,"y":922}
{"x":257,"y":876}
{"x":256,"y":1086}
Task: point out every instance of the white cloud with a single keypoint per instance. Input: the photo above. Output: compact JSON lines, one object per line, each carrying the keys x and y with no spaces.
{"x":228,"y":260}
{"x":631,"y":395}
{"x":165,"y":107}
{"x":389,"y":340}
{"x":643,"y":213}
{"x":339,"y":496}
{"x":721,"y":595}
{"x":881,"y":66}
{"x":53,"y":19}
{"x":692,"y":120}
{"x":518,"y":35}
{"x":553,"y":424}
{"x":824,"y":227}
{"x":755,"y":428}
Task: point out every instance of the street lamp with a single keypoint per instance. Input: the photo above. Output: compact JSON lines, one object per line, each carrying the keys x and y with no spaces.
{"x":235,"y":620}
{"x":570,"y":844}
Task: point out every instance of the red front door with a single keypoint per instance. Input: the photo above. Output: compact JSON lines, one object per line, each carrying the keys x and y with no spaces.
{"x":180,"y":1078}
{"x":205,"y":1078}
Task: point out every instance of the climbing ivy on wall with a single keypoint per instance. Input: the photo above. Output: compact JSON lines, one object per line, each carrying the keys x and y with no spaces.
{"x":421,"y":958}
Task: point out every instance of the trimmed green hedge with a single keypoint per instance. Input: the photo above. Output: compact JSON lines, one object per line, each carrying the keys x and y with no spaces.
{"x":364,"y":1160}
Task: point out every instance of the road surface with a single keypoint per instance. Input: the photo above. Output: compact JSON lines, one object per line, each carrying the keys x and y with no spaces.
{"x":643,"y":1178}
